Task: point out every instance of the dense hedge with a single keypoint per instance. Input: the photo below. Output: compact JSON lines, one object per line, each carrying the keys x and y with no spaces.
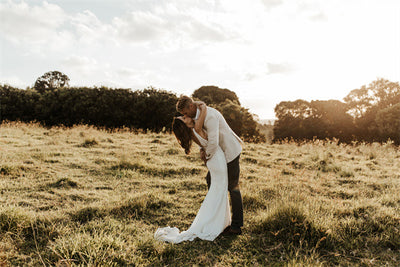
{"x":111,"y":108}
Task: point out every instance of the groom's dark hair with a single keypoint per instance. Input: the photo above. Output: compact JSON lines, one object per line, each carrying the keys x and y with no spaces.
{"x":183,"y":102}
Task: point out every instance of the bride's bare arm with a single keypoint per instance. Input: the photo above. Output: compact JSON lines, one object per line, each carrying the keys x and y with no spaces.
{"x":198,"y":103}
{"x":198,"y":126}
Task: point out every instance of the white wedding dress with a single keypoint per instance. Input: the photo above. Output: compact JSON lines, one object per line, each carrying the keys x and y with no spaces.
{"x":214,"y":214}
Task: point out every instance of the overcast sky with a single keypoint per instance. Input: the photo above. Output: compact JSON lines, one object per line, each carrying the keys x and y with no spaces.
{"x":267,"y":51}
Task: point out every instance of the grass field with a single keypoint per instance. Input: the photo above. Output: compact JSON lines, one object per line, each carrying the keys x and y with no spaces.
{"x":82,"y":196}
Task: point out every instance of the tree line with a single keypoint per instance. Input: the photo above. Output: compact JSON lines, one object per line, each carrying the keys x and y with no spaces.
{"x":370,"y":113}
{"x":52,"y":102}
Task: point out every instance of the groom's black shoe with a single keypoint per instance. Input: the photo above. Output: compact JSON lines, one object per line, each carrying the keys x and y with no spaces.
{"x":226,"y":230}
{"x":231,"y":231}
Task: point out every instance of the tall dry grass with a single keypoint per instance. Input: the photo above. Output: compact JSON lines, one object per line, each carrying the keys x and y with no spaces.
{"x":83,"y":196}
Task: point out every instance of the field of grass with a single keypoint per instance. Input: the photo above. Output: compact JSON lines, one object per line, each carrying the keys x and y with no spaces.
{"x":82,"y":196}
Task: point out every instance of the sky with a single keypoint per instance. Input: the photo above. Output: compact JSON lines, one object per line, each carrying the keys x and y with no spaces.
{"x":266,"y":51}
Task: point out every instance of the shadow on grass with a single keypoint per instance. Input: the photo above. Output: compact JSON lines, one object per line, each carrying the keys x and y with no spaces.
{"x":140,"y":207}
{"x":259,"y":200}
{"x":87,"y":214}
{"x":288,"y":233}
{"x":366,"y":231}
{"x":143,"y":207}
{"x":154,"y":171}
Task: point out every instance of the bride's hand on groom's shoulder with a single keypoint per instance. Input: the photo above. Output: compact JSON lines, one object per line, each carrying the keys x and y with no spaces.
{"x":199,"y":103}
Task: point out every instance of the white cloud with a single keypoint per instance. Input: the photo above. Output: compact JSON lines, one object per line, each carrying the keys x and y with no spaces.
{"x":320,"y":16}
{"x":90,"y":30}
{"x":126,"y":72}
{"x":13,"y":81}
{"x":171,"y":24}
{"x":48,"y":26}
{"x":276,"y":68}
{"x":203,"y":31}
{"x":140,"y":26}
{"x":75,"y":61}
{"x":38,"y":24}
{"x":81,"y":66}
{"x":166,"y":25}
{"x":272,"y":3}
{"x":250,"y":76}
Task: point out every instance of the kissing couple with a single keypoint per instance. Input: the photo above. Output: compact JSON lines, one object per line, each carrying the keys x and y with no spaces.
{"x":220,"y":149}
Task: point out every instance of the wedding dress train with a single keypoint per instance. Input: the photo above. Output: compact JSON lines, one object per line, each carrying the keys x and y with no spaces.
{"x":214,"y":214}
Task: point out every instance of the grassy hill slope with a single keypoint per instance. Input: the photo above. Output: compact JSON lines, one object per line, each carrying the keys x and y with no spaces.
{"x":82,"y":196}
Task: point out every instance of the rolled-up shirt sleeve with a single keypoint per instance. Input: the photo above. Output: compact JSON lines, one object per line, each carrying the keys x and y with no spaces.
{"x":213,"y":136}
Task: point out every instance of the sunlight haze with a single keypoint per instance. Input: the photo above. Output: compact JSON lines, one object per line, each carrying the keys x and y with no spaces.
{"x":266,"y":51}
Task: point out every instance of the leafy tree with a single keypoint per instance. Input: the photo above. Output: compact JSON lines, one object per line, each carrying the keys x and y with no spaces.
{"x":50,"y":81}
{"x":358,"y":102}
{"x":335,"y":121}
{"x":233,"y":114}
{"x":293,"y":120}
{"x":301,"y":119}
{"x":238,"y":118}
{"x":365,"y":103}
{"x":384,"y":93}
{"x":241,"y":121}
{"x":300,"y":109}
{"x":215,"y":95}
{"x":388,"y":121}
{"x":369,"y":113}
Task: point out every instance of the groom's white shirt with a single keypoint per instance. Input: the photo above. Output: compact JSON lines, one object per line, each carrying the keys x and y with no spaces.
{"x":219,"y":133}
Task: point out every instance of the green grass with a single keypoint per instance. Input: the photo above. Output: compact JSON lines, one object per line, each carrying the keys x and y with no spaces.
{"x":82,"y":196}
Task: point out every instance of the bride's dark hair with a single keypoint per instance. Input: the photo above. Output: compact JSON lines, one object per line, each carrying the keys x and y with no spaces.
{"x":183,"y":134}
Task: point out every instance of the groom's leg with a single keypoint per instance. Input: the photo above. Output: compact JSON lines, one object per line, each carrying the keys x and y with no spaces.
{"x":208,"y":179}
{"x":234,"y":191}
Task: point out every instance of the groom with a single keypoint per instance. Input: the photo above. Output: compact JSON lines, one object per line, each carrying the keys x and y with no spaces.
{"x":220,"y":134}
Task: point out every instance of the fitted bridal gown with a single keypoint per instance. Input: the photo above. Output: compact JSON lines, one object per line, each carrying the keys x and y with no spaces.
{"x":214,"y":214}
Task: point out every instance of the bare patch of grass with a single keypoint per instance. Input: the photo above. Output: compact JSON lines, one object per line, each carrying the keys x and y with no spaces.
{"x":346,"y":174}
{"x":90,"y":142}
{"x":250,"y":160}
{"x":64,"y":183}
{"x":6,"y":170}
{"x":172,"y":151}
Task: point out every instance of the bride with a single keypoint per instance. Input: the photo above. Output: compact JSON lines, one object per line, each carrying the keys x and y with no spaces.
{"x":214,"y":214}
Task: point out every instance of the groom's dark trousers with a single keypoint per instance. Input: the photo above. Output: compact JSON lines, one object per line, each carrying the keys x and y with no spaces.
{"x":234,"y":192}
